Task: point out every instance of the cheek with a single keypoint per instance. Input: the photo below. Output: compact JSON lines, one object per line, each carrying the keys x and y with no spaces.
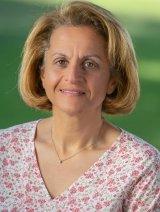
{"x":50,"y":81}
{"x":99,"y":84}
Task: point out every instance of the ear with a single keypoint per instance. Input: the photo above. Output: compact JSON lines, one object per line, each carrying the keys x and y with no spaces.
{"x":42,"y":75}
{"x":111,"y":85}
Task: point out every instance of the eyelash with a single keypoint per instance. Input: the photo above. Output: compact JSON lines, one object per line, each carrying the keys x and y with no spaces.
{"x":93,"y":67}
{"x":59,"y":62}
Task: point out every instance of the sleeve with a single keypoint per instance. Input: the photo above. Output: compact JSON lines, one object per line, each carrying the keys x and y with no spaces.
{"x":145,"y":194}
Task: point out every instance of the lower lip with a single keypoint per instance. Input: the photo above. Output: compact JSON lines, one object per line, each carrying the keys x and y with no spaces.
{"x":67,"y":93}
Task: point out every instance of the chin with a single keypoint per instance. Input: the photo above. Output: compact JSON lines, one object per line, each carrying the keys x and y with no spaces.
{"x":72,"y":108}
{"x":71,"y":111}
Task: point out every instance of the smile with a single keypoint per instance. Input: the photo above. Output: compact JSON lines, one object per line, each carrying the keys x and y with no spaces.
{"x":72,"y":92}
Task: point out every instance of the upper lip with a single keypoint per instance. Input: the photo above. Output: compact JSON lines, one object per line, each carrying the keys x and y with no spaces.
{"x":72,"y":90}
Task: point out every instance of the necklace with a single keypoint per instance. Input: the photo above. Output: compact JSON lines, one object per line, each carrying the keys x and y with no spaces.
{"x":62,"y":160}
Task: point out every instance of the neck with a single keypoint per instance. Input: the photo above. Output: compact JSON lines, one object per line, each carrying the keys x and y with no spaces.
{"x":71,"y":133}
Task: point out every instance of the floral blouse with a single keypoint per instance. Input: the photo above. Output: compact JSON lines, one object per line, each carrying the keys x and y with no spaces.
{"x":126,"y":177}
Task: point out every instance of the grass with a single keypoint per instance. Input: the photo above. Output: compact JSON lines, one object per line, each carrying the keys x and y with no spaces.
{"x":141,"y":18}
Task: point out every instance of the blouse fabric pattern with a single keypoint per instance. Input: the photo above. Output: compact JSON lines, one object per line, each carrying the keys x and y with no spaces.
{"x":126,"y":177}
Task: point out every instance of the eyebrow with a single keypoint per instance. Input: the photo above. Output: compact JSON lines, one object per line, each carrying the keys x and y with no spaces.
{"x":86,"y":56}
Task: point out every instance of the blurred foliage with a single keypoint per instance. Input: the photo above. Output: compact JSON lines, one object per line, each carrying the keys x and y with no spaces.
{"x":141,"y":18}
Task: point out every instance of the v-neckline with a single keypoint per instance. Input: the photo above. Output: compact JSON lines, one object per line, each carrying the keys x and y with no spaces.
{"x":81,"y":177}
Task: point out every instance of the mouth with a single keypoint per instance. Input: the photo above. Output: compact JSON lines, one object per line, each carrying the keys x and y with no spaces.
{"x":73,"y":92}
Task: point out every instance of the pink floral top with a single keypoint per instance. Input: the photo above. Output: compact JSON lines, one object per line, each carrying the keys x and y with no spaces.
{"x":125,"y":178}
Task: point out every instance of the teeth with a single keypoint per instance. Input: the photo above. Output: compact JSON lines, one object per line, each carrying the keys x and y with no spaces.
{"x":66,"y":91}
{"x":71,"y":92}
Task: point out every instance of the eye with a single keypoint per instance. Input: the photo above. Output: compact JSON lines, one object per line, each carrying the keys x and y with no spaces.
{"x":88,"y":64}
{"x":61,"y":62}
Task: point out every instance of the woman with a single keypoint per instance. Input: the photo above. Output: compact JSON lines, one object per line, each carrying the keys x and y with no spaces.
{"x":78,"y":62}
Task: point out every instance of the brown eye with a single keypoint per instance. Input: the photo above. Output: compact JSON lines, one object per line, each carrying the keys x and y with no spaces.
{"x":89,"y":65}
{"x":61,"y":62}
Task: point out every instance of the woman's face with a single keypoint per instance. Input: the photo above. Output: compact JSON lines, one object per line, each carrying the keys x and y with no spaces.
{"x":75,"y":74}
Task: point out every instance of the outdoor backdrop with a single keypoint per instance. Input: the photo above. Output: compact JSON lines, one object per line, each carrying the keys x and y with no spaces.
{"x":140,"y":17}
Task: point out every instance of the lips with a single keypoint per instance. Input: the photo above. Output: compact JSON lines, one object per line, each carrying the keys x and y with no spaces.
{"x":72,"y":91}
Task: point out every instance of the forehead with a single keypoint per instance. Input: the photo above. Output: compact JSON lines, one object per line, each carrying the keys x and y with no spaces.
{"x":79,"y":37}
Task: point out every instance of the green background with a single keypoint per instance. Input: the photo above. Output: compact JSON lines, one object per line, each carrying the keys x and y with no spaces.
{"x":140,"y":17}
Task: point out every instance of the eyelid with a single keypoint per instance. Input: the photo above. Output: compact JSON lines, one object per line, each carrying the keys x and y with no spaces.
{"x":91,"y":61}
{"x":94,"y":58}
{"x":59,"y":58}
{"x":65,"y":61}
{"x":60,"y":62}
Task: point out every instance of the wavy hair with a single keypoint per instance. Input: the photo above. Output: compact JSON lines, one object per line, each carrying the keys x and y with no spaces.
{"x":119,"y":51}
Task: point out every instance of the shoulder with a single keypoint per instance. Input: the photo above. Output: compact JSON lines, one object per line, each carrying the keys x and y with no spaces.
{"x":137,"y":144}
{"x":138,"y":151}
{"x":17,"y":129}
{"x":12,"y":135}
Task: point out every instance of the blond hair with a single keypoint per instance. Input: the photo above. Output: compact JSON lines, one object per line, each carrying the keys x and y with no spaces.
{"x":120,"y":54}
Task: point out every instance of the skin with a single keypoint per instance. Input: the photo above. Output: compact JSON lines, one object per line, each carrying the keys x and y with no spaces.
{"x":76,"y":59}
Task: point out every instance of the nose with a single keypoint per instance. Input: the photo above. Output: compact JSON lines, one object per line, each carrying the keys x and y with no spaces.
{"x":73,"y":74}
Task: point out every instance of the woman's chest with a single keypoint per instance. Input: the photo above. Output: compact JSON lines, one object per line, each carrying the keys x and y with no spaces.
{"x":60,"y":177}
{"x":96,"y":188}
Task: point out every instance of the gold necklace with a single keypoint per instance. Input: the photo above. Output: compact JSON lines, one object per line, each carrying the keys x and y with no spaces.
{"x":62,"y":160}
